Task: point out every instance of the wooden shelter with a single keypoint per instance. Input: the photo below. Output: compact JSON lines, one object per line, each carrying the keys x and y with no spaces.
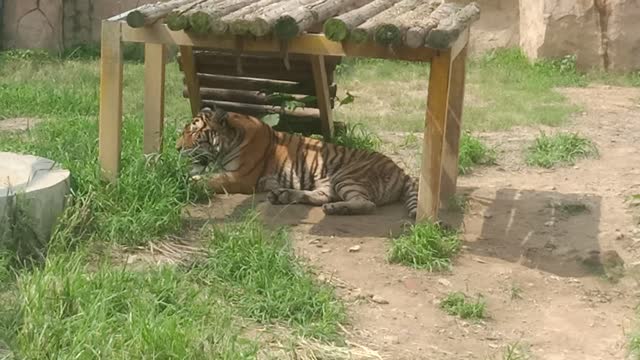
{"x":231,"y":49}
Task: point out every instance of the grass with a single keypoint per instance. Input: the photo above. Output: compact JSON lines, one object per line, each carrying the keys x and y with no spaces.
{"x":425,"y":246}
{"x":75,"y":307}
{"x":573,"y":209}
{"x":459,"y":304}
{"x":560,"y":149}
{"x":357,"y":136}
{"x":474,"y":152}
{"x":261,"y":275}
{"x":514,"y":351}
{"x":504,"y":90}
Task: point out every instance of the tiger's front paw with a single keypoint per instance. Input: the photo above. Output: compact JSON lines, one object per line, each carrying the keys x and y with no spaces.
{"x":281,"y":196}
{"x":336,"y":209}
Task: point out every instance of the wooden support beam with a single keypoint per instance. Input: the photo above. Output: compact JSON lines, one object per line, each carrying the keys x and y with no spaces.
{"x":432,"y":145}
{"x":454,"y":125}
{"x":263,"y":85}
{"x":323,"y":96}
{"x":110,"y":121}
{"x":154,"y":74}
{"x":191,"y":78}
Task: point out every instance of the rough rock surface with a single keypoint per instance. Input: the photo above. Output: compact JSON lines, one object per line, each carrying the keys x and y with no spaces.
{"x":623,"y":34}
{"x":555,"y":28}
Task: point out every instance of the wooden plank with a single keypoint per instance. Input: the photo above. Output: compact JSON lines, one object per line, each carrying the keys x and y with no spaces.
{"x":260,"y":110}
{"x":110,"y":120}
{"x":454,"y":124}
{"x":154,"y":75}
{"x":435,"y":125}
{"x":264,"y":85}
{"x":244,"y":96}
{"x":311,"y":44}
{"x":191,"y":78}
{"x":322,"y":94}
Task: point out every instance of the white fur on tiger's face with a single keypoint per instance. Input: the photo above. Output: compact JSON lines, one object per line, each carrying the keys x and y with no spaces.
{"x":294,"y":169}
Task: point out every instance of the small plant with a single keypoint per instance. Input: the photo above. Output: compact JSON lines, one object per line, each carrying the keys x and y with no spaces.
{"x":562,"y":149}
{"x":516,"y":292}
{"x":425,"y":246}
{"x":458,"y":203}
{"x":474,"y":152}
{"x":458,"y":304}
{"x":357,"y":136}
{"x":411,"y":141}
{"x":572,"y":209}
{"x":515,"y":351}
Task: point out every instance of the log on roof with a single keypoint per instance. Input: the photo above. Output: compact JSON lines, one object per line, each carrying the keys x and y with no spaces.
{"x":413,"y":23}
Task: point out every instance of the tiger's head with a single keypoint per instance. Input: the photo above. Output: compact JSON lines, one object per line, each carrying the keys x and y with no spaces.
{"x":202,"y":139}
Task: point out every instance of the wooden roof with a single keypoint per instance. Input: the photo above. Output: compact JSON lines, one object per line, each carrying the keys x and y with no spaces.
{"x":413,"y":23}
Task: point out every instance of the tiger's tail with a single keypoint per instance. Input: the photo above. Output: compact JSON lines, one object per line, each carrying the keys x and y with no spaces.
{"x":410,"y":196}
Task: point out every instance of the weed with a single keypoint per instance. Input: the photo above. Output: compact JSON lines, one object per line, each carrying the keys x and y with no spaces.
{"x":411,"y":141}
{"x":357,"y":136}
{"x":573,"y":209}
{"x":474,"y":152}
{"x":425,"y":246}
{"x":515,"y":292}
{"x":561,"y":149}
{"x":515,"y":351}
{"x":458,"y":203}
{"x":458,"y":304}
{"x":259,"y":273}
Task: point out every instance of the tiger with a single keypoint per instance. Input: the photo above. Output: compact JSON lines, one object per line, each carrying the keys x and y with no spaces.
{"x":252,"y":157}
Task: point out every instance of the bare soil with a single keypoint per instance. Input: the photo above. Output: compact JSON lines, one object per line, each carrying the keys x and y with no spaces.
{"x":536,"y":266}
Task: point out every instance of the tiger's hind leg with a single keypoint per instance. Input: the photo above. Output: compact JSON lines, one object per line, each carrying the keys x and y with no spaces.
{"x":356,"y":201}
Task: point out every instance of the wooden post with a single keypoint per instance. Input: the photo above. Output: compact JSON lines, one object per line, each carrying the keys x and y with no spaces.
{"x":323,"y":96}
{"x":454,"y":125}
{"x":110,"y":121}
{"x":432,"y":144}
{"x":154,"y":73}
{"x":191,"y":78}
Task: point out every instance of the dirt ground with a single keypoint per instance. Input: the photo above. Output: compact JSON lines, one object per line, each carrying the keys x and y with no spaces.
{"x":527,"y":258}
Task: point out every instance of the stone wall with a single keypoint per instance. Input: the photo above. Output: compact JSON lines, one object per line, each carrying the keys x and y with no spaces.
{"x":601,"y":33}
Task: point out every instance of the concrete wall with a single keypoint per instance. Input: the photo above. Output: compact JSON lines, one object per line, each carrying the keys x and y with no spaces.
{"x":57,"y":24}
{"x":602,"y":34}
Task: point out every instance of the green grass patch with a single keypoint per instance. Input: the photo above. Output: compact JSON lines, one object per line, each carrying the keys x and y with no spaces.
{"x":561,"y":149}
{"x":425,"y":246}
{"x":459,"y":304}
{"x":261,"y":275}
{"x":70,"y":310}
{"x":474,"y":152}
{"x":504,"y":89}
{"x":357,"y":136}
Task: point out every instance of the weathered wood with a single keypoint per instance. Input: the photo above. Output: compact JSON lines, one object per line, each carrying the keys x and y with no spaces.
{"x":177,"y":19}
{"x":206,"y":18}
{"x":339,"y":28}
{"x":257,"y":71}
{"x":451,"y":151}
{"x":237,"y":22}
{"x":322,"y":82}
{"x":150,"y":13}
{"x":365,"y":31}
{"x":261,"y":110}
{"x":154,"y":75}
{"x":306,"y":44}
{"x":263,"y":21}
{"x":393,"y":31}
{"x":262,"y":85}
{"x":110,"y":121}
{"x":191,"y":78}
{"x":244,"y":96}
{"x":432,"y":143}
{"x":293,"y":22}
{"x":450,"y":28}
{"x":418,"y":31}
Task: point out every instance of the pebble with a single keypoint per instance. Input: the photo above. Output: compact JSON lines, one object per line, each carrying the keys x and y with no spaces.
{"x":379,"y":300}
{"x":444,"y":282}
{"x":324,"y":251}
{"x":355,"y":248}
{"x":549,"y":223}
{"x":619,"y":235}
